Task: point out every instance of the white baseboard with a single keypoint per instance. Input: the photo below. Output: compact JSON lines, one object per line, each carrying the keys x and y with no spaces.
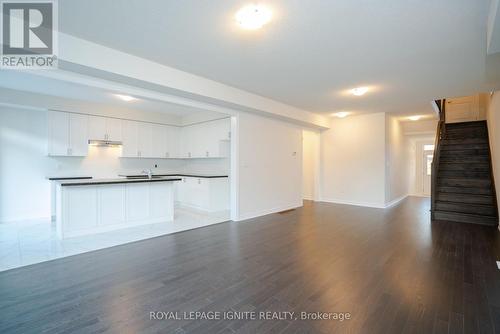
{"x":308,"y":198}
{"x":395,"y":202}
{"x":254,"y":214}
{"x":419,"y":195}
{"x":364,"y":204}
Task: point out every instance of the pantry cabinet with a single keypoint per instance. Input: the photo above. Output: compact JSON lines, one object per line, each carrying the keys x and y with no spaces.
{"x":206,"y":194}
{"x":206,"y":140}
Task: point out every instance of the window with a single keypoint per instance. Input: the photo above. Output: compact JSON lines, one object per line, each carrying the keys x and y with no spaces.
{"x":429,"y":164}
{"x":429,"y":147}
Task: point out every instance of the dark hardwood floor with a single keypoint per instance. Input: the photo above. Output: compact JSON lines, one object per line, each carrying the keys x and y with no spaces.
{"x":392,"y":270}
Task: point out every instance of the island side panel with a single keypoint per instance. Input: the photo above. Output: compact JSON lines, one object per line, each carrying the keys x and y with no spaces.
{"x":88,"y":209}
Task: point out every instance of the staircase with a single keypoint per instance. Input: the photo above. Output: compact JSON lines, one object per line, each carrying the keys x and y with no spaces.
{"x":464,"y":190}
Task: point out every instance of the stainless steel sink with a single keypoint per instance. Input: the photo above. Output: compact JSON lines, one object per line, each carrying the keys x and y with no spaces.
{"x":143,"y":177}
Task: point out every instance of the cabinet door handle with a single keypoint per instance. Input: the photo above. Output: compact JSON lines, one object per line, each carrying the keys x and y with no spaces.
{"x":189,"y":154}
{"x":199,"y":181}
{"x":208,"y":154}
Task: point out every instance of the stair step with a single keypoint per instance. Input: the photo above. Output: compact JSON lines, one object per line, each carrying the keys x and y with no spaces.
{"x":462,"y":159}
{"x":466,"y":135}
{"x":464,"y":174}
{"x":461,"y":182}
{"x":471,"y":146}
{"x":465,"y":218}
{"x":466,"y":124}
{"x":466,"y":127}
{"x":478,"y":209}
{"x":465,"y":152}
{"x":465,"y":166}
{"x":465,"y":141}
{"x":466,"y":198}
{"x":464,"y":190}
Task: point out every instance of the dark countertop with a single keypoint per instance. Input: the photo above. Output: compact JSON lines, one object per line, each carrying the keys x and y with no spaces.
{"x":207,"y":176}
{"x":60,"y":178}
{"x":95,"y":182}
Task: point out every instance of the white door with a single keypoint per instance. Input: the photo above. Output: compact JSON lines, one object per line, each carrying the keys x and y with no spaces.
{"x":426,"y":172}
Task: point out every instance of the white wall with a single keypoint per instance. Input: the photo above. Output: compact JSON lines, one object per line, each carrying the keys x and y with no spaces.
{"x":353,"y":161}
{"x":420,"y":127}
{"x":493,"y":117}
{"x":24,"y":164}
{"x":310,"y":164}
{"x":269,"y":173}
{"x":396,"y":157}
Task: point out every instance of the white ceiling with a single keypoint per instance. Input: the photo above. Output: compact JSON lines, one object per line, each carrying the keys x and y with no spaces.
{"x":410,"y":51}
{"x":23,"y":81}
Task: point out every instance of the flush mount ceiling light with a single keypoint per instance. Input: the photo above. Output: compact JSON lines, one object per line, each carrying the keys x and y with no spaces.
{"x":341,"y":114}
{"x":254,"y":16}
{"x":126,"y":98}
{"x":414,"y":118}
{"x":358,"y":91}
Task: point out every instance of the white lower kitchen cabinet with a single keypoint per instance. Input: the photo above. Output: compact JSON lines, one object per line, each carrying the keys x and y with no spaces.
{"x":206,"y":194}
{"x":89,"y":209}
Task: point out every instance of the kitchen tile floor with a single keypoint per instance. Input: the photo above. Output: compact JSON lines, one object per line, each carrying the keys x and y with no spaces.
{"x":29,"y":242}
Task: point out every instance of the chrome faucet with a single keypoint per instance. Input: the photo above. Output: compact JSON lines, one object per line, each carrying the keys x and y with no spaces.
{"x":148,"y":172}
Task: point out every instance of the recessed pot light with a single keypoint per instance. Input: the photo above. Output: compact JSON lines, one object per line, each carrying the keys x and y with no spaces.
{"x":254,"y":16}
{"x":126,"y":98}
{"x":414,"y":118}
{"x":341,"y":114}
{"x":358,"y":91}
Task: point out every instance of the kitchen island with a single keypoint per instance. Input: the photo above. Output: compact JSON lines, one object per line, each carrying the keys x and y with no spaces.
{"x":88,"y":206}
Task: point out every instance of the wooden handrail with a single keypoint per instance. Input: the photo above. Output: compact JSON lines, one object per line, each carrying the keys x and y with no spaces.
{"x":440,"y":134}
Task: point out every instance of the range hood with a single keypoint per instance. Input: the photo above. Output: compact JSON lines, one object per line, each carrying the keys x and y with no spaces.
{"x":99,"y":142}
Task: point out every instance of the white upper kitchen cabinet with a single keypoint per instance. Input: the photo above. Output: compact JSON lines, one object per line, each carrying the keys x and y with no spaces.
{"x":78,"y":142}
{"x":67,"y":134}
{"x":206,"y":140}
{"x":186,"y":142}
{"x":104,"y":128}
{"x":145,"y":140}
{"x":97,"y":128}
{"x":130,"y":147}
{"x":159,"y":141}
{"x":173,"y":135}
